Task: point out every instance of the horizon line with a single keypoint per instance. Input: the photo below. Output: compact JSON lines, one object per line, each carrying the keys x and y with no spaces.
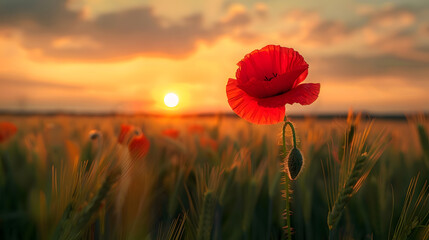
{"x":327,"y":115}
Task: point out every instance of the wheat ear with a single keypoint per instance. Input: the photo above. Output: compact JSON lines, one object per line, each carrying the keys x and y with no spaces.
{"x":346,"y":193}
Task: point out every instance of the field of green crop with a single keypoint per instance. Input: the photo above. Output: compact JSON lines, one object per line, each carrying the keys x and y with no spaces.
{"x":215,"y":178}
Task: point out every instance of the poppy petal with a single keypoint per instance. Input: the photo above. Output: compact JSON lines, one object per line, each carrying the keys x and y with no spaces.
{"x":301,"y":78}
{"x":208,"y":142}
{"x":196,"y":129}
{"x":139,"y":147}
{"x":171,"y":133}
{"x":247,"y":107}
{"x":125,"y":129}
{"x":270,"y":59}
{"x":7,"y":130}
{"x":303,"y":94}
{"x":277,"y":84}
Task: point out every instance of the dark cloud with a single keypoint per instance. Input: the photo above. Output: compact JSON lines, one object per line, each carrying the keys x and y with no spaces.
{"x":57,"y":32}
{"x":43,"y":13}
{"x":247,"y":36}
{"x":391,"y":14}
{"x":383,"y":24}
{"x":309,"y":27}
{"x":352,"y":67}
{"x":328,"y":32}
{"x":261,"y":11}
{"x":6,"y":82}
{"x":425,"y":30}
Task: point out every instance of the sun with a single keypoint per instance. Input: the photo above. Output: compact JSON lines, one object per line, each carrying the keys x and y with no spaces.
{"x":171,"y":100}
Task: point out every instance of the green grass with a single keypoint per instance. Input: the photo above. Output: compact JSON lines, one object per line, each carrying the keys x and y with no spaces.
{"x":359,"y":180}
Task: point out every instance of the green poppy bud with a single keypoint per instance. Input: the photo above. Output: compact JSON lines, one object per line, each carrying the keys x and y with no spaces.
{"x":94,"y":134}
{"x":294,"y":163}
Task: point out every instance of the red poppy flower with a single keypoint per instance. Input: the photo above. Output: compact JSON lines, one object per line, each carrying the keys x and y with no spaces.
{"x":125,"y":129}
{"x":139,"y":146}
{"x":172,"y":133}
{"x":196,"y":128}
{"x":208,"y":142}
{"x":7,"y":130}
{"x":267,"y":80}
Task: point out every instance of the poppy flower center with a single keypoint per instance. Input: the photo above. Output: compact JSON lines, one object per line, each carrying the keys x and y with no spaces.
{"x":269,"y":78}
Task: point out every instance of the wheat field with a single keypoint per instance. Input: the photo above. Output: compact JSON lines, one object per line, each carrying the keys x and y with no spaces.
{"x":67,"y":177}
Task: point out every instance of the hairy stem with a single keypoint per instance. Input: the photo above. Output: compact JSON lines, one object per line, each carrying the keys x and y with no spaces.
{"x":293,"y":134}
{"x":288,"y":222}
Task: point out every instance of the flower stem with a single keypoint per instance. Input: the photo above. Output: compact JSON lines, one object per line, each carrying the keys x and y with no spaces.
{"x":293,"y":134}
{"x":289,"y":231}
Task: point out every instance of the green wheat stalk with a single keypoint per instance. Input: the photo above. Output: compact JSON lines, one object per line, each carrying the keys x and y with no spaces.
{"x":426,"y":233}
{"x":346,"y":193}
{"x":419,"y":121}
{"x":424,"y":140}
{"x":206,"y":217}
{"x":174,"y":231}
{"x":249,"y":205}
{"x":62,"y":224}
{"x":227,"y":186}
{"x":83,"y":218}
{"x":202,"y":200}
{"x":356,"y":164}
{"x":415,"y":210}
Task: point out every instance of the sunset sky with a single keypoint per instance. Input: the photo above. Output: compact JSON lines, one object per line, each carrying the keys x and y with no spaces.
{"x":124,"y":56}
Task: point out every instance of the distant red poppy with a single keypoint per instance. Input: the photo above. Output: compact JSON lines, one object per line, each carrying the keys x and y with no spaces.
{"x":267,"y":80}
{"x":139,"y":146}
{"x":196,"y":128}
{"x":125,"y":129}
{"x":171,"y":132}
{"x":7,"y":130}
{"x":208,"y":142}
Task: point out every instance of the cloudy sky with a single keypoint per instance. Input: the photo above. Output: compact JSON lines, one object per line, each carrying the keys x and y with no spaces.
{"x":107,"y":55}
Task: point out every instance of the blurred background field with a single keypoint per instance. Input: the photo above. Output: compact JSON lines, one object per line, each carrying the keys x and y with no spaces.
{"x":217,"y":177}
